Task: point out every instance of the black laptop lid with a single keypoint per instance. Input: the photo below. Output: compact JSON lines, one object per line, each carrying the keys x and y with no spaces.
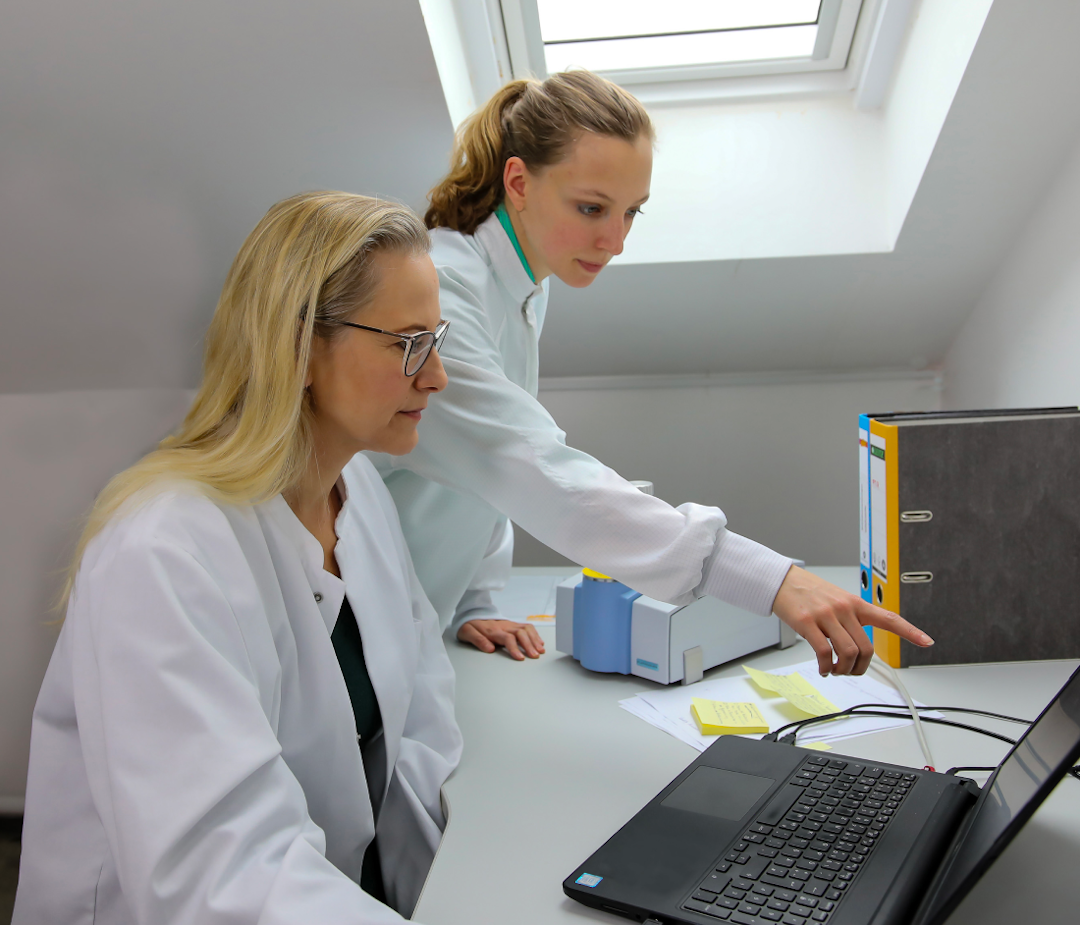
{"x":1036,"y":764}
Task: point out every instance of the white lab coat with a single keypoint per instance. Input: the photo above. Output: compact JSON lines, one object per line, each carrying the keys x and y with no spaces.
{"x":488,"y":448}
{"x":194,"y":757}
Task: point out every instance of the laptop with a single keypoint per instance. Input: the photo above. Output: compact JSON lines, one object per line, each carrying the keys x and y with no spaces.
{"x":756,"y":832}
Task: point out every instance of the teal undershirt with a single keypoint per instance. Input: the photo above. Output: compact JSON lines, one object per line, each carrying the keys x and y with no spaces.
{"x":504,"y":220}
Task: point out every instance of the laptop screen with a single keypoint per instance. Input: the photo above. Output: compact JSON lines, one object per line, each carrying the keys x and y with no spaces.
{"x":1021,"y":782}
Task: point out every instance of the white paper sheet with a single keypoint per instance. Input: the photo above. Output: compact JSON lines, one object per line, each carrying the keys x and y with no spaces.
{"x":528,"y":596}
{"x":669,"y":709}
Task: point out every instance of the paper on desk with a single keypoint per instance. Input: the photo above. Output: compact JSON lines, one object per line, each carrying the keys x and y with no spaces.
{"x":528,"y":598}
{"x":669,"y":709}
{"x":795,"y":689}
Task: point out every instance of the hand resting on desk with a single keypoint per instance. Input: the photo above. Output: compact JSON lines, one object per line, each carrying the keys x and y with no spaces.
{"x":832,"y":621}
{"x":488,"y":635}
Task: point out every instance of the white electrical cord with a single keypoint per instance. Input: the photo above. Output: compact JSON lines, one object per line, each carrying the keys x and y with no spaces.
{"x":893,"y":678}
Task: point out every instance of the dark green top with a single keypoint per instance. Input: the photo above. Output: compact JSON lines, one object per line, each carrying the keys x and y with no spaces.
{"x":350,"y":654}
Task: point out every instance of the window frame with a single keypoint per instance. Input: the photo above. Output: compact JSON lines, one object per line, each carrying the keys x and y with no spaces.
{"x":839,"y":26}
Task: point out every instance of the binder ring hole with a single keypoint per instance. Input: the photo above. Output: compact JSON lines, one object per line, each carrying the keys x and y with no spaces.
{"x":880,"y":595}
{"x":865,"y":580}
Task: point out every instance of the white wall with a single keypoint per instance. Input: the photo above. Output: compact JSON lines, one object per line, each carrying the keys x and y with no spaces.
{"x":1020,"y":346}
{"x":777,"y":453}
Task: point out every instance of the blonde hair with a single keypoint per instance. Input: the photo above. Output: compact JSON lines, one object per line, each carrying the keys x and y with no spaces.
{"x":537,"y":122}
{"x":247,"y":435}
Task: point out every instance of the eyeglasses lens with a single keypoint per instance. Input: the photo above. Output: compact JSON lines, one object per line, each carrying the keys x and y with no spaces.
{"x":418,"y":354}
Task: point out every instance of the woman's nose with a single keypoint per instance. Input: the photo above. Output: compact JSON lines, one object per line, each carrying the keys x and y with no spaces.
{"x":432,"y":376}
{"x":613,"y":236}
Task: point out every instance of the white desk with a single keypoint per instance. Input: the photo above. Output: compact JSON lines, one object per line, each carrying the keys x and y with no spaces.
{"x":553,"y":767}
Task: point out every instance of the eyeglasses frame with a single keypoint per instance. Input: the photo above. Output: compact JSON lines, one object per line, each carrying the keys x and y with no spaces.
{"x":438,"y":335}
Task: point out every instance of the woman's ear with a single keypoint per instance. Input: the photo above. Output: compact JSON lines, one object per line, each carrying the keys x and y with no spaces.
{"x":515,"y":182}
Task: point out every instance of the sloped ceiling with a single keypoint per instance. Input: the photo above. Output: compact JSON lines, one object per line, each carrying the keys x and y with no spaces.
{"x":1015,"y":117}
{"x":140,"y":142}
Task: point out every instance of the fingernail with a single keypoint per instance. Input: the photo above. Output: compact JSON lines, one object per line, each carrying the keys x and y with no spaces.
{"x":928,"y":640}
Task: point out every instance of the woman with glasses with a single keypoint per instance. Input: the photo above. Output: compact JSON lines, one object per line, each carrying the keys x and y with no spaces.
{"x":546,"y":180}
{"x":248,"y":716}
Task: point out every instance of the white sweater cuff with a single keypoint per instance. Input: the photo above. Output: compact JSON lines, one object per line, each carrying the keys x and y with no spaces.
{"x":474,"y":605}
{"x":744,"y":573}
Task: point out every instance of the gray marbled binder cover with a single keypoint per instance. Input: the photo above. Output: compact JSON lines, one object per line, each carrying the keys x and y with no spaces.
{"x":1004,"y":541}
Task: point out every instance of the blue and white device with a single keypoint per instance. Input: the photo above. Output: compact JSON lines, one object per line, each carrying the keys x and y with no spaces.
{"x":610,"y":628}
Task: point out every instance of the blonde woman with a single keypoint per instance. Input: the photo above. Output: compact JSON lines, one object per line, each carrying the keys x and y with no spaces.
{"x":248,"y":716}
{"x":546,"y":180}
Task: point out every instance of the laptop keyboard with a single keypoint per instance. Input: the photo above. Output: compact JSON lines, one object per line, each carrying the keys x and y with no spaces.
{"x":796,"y":859}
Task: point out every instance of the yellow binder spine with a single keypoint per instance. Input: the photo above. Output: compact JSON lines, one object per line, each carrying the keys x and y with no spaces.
{"x":885,"y":526}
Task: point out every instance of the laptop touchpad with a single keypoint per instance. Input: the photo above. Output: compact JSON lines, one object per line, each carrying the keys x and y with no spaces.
{"x":717,"y":792}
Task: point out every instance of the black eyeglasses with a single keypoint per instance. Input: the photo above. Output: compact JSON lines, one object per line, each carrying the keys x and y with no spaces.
{"x":417,"y":346}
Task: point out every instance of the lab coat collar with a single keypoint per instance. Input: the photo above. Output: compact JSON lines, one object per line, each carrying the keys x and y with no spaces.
{"x":327,"y":589}
{"x":504,"y":260}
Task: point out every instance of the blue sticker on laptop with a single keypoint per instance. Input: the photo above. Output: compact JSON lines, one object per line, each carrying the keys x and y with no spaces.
{"x":589,"y":880}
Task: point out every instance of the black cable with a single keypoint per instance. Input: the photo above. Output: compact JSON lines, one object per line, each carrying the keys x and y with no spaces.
{"x":893,"y":706}
{"x":925,"y":719}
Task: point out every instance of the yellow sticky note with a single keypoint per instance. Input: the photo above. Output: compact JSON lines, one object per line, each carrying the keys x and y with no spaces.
{"x":795,"y":689}
{"x":717,"y":717}
{"x":818,"y":746}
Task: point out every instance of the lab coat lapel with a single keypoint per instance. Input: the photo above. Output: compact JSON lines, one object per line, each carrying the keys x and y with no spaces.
{"x":372,"y":568}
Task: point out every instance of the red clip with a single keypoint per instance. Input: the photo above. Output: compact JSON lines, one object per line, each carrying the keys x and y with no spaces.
{"x":927,"y":767}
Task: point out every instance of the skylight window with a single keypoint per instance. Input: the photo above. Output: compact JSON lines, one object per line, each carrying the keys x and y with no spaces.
{"x":650,"y":41}
{"x":606,"y":35}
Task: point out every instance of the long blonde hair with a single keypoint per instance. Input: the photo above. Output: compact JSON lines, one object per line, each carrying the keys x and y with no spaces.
{"x":535,"y":121}
{"x":247,"y":435}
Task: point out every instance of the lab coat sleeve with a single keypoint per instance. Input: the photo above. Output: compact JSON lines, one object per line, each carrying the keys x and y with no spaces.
{"x":204,"y":818}
{"x":487,"y":436}
{"x":491,"y":575}
{"x":429,"y":751}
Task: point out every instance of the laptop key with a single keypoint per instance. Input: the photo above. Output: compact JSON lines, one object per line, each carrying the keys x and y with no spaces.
{"x":716,"y":882}
{"x":771,"y":915}
{"x":787,"y":885}
{"x":767,"y":852}
{"x":705,"y":896}
{"x":749,"y":908}
{"x":790,"y":919}
{"x":696,"y":905}
{"x":820,"y":916}
{"x":718,"y":912}
{"x":742,"y":918}
{"x":816,"y":887}
{"x":779,"y":905}
{"x":833,"y":894}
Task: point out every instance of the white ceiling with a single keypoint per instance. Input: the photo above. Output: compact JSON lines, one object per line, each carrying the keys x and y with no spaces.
{"x":140,"y":142}
{"x":1014,"y":119}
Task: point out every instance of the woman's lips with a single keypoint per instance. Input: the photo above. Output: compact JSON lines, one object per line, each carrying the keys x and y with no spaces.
{"x":415,"y":415}
{"x":590,"y":267}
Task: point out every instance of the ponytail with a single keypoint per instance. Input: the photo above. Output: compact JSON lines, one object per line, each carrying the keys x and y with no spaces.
{"x":535,"y":121}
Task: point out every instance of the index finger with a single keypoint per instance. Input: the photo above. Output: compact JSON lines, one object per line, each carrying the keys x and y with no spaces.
{"x":871,"y":615}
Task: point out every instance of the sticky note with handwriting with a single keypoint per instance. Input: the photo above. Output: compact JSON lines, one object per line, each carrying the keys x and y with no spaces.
{"x":718,"y":717}
{"x":795,"y":689}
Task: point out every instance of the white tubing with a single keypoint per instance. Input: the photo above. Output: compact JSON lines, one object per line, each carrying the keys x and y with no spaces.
{"x":890,"y":674}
